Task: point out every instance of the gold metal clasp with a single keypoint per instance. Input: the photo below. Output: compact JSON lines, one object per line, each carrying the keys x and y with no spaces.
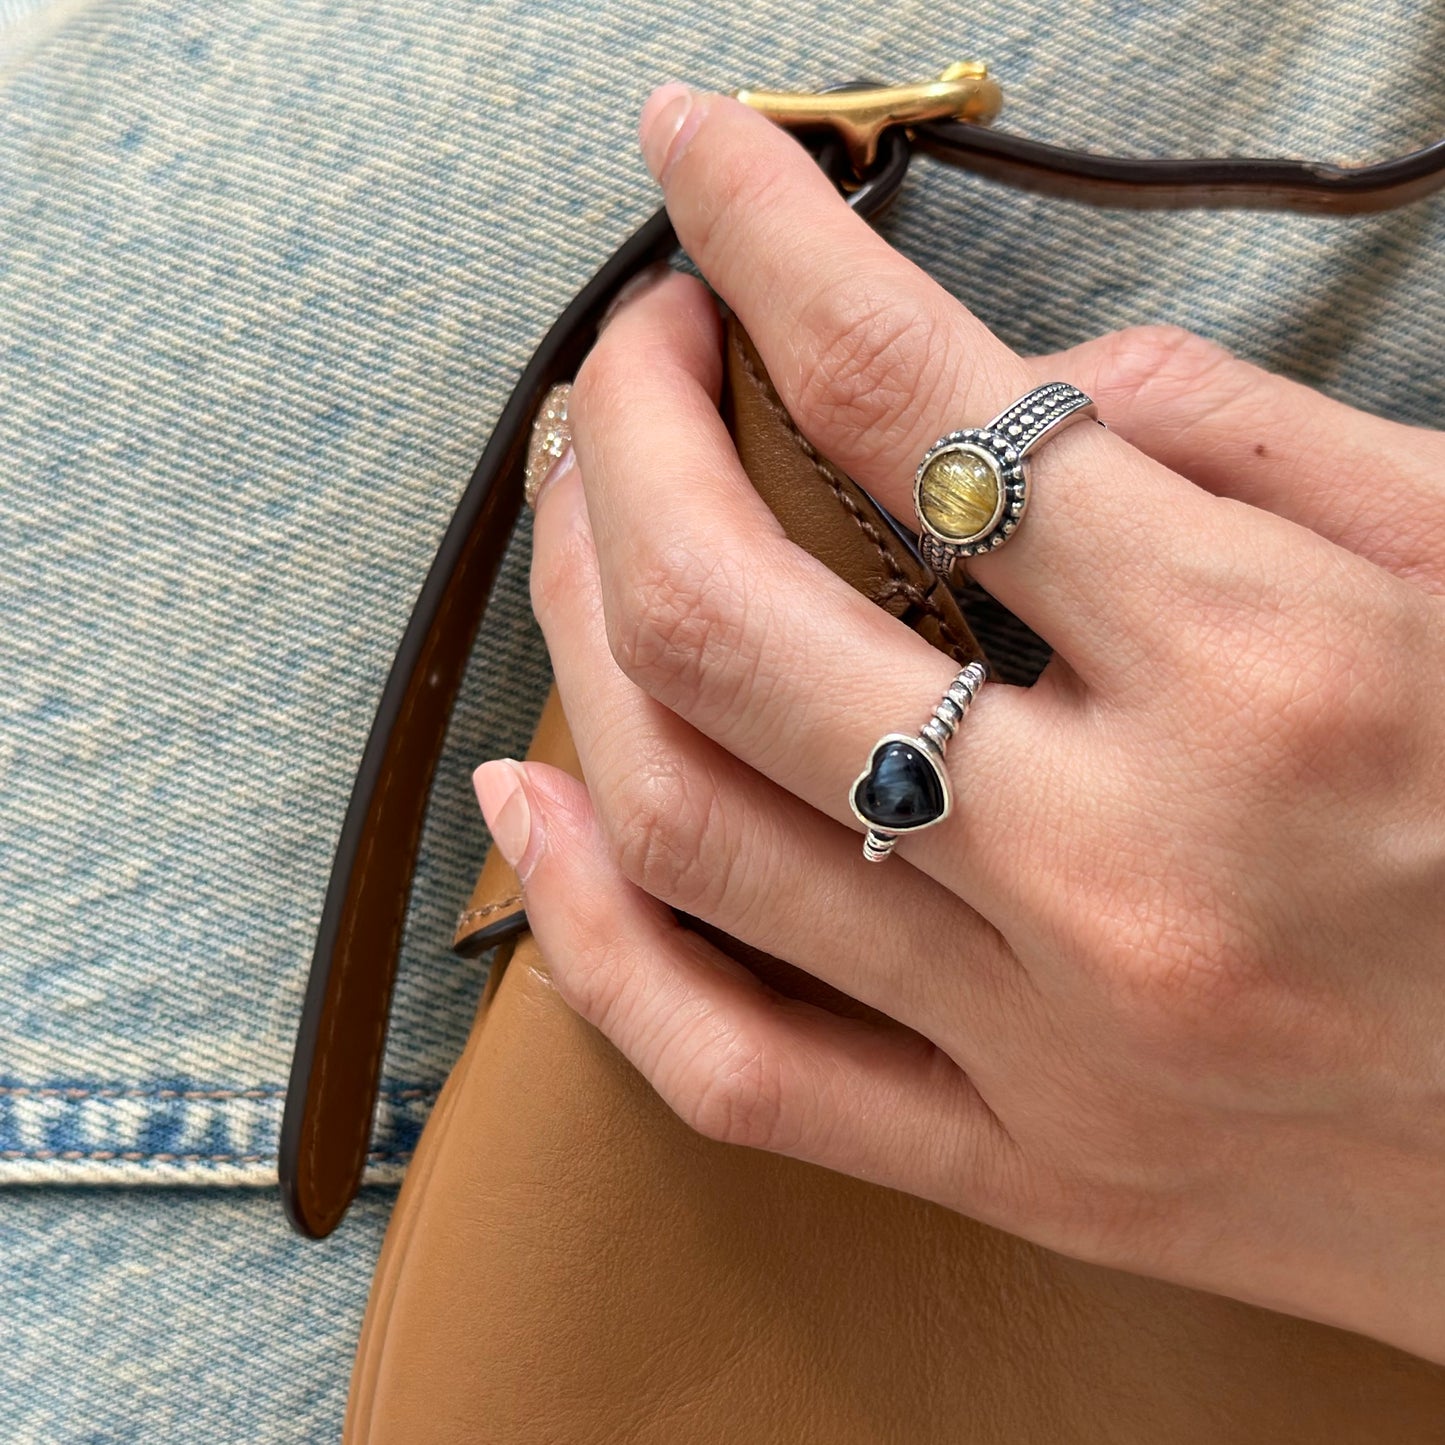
{"x":965,"y":91}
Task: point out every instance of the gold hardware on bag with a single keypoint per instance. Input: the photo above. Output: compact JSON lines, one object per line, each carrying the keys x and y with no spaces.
{"x":965,"y":91}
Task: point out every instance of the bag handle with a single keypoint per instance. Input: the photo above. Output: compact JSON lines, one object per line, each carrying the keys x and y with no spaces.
{"x":335,"y":1072}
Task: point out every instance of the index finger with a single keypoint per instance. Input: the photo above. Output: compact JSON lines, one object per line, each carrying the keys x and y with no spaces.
{"x":875,"y":361}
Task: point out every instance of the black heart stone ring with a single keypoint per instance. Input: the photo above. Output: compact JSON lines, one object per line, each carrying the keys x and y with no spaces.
{"x":904,"y":787}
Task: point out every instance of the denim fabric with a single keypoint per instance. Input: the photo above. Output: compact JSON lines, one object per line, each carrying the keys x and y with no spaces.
{"x":165,"y":1316}
{"x":13,"y":12}
{"x":268,"y":271}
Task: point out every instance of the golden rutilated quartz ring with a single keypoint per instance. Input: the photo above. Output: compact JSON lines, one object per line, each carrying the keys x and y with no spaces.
{"x":972,"y":486}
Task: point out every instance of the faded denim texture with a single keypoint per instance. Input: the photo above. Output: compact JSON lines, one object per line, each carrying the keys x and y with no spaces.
{"x":267,"y":274}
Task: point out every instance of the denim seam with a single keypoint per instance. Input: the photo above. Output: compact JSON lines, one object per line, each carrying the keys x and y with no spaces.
{"x":80,"y":1128}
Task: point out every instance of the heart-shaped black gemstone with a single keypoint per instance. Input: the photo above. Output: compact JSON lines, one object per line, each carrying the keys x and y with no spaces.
{"x":902,"y":788}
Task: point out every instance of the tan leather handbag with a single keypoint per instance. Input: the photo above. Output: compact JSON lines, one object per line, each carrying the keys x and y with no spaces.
{"x":567,"y":1262}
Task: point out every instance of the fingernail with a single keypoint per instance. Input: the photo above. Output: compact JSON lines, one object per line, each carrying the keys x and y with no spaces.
{"x":549,"y":452}
{"x":645,"y":280}
{"x":662,"y":118}
{"x":504,"y":805}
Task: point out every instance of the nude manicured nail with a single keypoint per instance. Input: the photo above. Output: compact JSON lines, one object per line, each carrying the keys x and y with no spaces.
{"x":504,"y":805}
{"x":664,"y":115}
{"x":549,"y":452}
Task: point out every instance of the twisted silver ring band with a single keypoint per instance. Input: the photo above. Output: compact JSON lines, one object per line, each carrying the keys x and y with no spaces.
{"x":904,"y":787}
{"x":971,"y":487}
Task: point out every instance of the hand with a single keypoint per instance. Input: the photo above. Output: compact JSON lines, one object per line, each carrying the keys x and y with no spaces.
{"x":1168,"y":985}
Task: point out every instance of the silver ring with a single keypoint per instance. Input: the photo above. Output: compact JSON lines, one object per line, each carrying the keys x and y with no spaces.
{"x":904,"y":787}
{"x":971,"y":487}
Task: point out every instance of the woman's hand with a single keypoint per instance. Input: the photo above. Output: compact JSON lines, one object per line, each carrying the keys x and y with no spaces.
{"x":1169,"y":981}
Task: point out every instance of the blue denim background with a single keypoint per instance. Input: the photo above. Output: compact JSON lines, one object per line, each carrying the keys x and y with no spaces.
{"x":267,"y":273}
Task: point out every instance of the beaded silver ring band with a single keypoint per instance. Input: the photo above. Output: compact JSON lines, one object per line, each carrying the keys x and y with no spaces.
{"x":971,"y":487}
{"x":904,"y":788}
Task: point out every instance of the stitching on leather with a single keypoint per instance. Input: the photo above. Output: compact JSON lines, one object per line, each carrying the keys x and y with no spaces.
{"x":329,"y":1214}
{"x":963,"y":648}
{"x":472,"y":915}
{"x":899,"y":582}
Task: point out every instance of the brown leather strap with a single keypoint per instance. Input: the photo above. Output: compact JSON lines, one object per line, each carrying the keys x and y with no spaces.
{"x":1140,"y":183}
{"x":335,"y":1071}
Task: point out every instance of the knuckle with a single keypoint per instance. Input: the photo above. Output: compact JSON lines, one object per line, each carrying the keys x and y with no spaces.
{"x":1284,"y":694}
{"x":1179,"y":1006}
{"x":734,"y":1095}
{"x":1203,"y":1005}
{"x":553,"y":575}
{"x":867,"y":380}
{"x":668,"y":834}
{"x":1164,"y":362}
{"x":1299,"y":712}
{"x":1332,"y":709}
{"x":1178,"y":973}
{"x":679,"y":628}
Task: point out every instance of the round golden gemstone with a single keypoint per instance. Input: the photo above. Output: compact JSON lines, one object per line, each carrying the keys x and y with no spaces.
{"x":960,"y":495}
